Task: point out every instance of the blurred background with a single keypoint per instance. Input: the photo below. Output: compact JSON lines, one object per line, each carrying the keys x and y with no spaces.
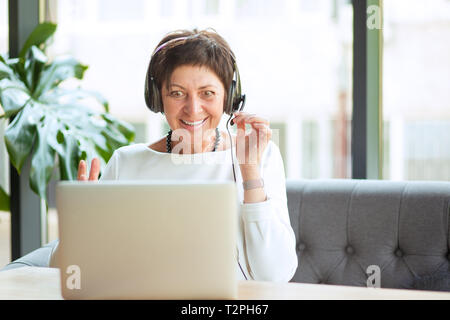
{"x":295,"y":61}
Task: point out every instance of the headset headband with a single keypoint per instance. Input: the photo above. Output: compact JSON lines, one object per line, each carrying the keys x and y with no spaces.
{"x":187,"y":38}
{"x":168,"y":42}
{"x":235,"y":100}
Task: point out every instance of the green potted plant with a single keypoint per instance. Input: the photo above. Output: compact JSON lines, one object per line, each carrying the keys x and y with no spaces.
{"x":50,"y":123}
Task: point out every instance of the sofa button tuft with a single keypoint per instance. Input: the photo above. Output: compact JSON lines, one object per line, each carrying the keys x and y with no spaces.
{"x":399,"y":253}
{"x":350,"y":250}
{"x":301,"y":246}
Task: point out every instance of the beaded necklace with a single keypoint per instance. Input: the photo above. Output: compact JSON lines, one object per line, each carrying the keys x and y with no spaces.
{"x":169,"y":138}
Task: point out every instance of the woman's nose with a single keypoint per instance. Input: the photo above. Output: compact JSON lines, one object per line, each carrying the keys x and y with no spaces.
{"x":193,"y":105}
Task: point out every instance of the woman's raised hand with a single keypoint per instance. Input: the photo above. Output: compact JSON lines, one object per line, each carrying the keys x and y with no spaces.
{"x":95,"y":170}
{"x":250,"y":146}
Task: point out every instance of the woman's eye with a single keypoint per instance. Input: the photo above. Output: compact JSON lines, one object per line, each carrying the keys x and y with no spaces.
{"x":208,"y":93}
{"x":176,"y":94}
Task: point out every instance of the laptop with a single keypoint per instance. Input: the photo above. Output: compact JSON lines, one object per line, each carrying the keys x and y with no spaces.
{"x":147,"y":239}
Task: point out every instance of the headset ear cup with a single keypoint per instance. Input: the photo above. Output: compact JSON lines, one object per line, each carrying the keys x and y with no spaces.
{"x":230,"y":98}
{"x":236,"y":98}
{"x":237,"y":93}
{"x":147,"y":93}
{"x":156,"y":98}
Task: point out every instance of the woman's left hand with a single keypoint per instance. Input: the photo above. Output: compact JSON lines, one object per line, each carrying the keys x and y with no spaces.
{"x":250,"y":146}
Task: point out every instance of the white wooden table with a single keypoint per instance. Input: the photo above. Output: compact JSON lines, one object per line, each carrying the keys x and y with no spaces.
{"x":44,"y":283}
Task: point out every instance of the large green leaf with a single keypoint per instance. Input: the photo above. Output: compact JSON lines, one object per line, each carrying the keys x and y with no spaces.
{"x":4,"y":200}
{"x":20,"y":135}
{"x":72,"y":96}
{"x":59,"y":70}
{"x":50,"y":120}
{"x":69,"y":158}
{"x":38,"y":36}
{"x":34,"y":64}
{"x":18,"y":66}
{"x":113,"y":140}
{"x":67,"y":147}
{"x":87,"y":128}
{"x":5,"y":70}
{"x":124,"y":128}
{"x":13,"y":96}
{"x":43,"y":160}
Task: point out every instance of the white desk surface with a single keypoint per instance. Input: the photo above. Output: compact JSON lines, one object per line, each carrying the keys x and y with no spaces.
{"x":44,"y":283}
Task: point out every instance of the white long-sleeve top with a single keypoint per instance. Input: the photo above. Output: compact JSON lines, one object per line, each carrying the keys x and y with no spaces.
{"x":266,"y":241}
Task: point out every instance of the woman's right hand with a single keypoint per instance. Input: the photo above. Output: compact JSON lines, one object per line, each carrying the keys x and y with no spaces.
{"x":95,"y":170}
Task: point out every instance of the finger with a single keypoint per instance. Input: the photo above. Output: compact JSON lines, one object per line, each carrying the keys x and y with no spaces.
{"x":258,"y":124}
{"x":256,"y":119}
{"x":240,"y":129}
{"x":251,"y":118}
{"x":263,"y":131}
{"x":240,"y":136}
{"x":82,"y":171}
{"x":95,"y":169}
{"x":237,"y":116}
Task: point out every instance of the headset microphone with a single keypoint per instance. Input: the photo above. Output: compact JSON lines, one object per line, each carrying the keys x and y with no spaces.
{"x":239,"y":108}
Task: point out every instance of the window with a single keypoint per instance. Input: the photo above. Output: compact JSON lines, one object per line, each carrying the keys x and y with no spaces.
{"x":294,"y":57}
{"x":117,"y":10}
{"x":416,"y":99}
{"x":3,"y":26}
{"x":5,"y":217}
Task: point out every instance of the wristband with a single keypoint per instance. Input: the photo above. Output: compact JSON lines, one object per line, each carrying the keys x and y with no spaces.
{"x":253,"y":184}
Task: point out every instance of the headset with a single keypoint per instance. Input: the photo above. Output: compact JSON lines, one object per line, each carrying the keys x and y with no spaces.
{"x":235,"y":99}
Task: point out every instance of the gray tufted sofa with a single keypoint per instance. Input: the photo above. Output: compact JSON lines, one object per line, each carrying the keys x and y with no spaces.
{"x":344,"y":226}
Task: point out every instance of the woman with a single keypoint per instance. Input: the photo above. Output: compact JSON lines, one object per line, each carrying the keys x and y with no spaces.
{"x":193,"y":80}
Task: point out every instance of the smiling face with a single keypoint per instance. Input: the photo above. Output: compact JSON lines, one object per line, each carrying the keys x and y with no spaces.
{"x":193,"y":100}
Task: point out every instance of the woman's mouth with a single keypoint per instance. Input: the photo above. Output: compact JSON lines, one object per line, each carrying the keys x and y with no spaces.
{"x":193,"y":125}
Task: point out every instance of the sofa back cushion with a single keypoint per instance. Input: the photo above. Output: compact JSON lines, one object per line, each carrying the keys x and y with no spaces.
{"x":347,"y":230}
